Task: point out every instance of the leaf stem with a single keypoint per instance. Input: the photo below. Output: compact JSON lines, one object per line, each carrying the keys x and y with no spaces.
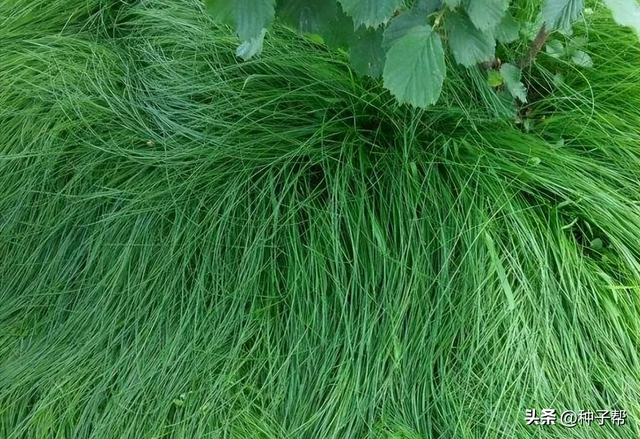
{"x":535,"y":48}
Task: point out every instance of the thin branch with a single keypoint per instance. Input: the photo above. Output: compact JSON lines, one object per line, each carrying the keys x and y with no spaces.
{"x":535,"y":48}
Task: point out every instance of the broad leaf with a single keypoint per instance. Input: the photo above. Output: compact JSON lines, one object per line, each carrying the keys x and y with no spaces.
{"x":366,"y":52}
{"x":222,"y":11}
{"x":400,"y":25}
{"x":415,"y":68}
{"x":625,"y":13}
{"x":308,"y":16}
{"x":555,"y":49}
{"x":468,"y":44}
{"x":511,"y":75}
{"x":248,"y":16}
{"x":370,"y":12}
{"x":485,"y":14}
{"x":248,"y":49}
{"x":339,"y":32}
{"x":494,"y":78}
{"x":507,"y":30}
{"x":452,"y":4}
{"x":530,"y":29}
{"x":418,"y":15}
{"x":426,"y":6}
{"x":252,"y":16}
{"x":561,"y":14}
{"x":582,"y":59}
{"x":322,"y":17}
{"x":505,"y":104}
{"x":596,"y":244}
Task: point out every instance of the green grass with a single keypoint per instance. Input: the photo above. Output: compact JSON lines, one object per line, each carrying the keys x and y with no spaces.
{"x":196,"y":248}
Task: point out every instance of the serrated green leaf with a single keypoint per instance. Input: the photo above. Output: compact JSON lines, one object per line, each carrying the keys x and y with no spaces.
{"x":371,"y":13}
{"x":366,"y":52}
{"x":468,"y":44}
{"x":625,"y":13}
{"x":418,"y":15}
{"x":596,"y":244}
{"x":252,"y":16}
{"x":339,"y":32}
{"x":579,"y":41}
{"x":452,"y":4}
{"x":494,"y":78}
{"x":249,"y":49}
{"x":555,"y":49}
{"x":507,"y":30}
{"x":308,"y":16}
{"x":561,"y":14}
{"x":222,"y":11}
{"x":511,"y":75}
{"x":582,"y":59}
{"x":415,"y":68}
{"x":530,"y":29}
{"x":426,"y":7}
{"x":248,"y":16}
{"x":401,"y":24}
{"x":324,"y":18}
{"x":485,"y":14}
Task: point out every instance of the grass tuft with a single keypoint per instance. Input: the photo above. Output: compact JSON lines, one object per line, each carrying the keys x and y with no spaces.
{"x":197,"y":247}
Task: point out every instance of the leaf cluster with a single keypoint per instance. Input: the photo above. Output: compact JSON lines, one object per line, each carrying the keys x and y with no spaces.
{"x":405,"y":41}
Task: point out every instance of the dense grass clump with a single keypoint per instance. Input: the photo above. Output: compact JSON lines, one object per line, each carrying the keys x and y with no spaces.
{"x":195,"y":247}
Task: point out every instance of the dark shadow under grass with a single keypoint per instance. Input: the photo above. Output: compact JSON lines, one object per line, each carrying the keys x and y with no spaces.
{"x":194,"y":247}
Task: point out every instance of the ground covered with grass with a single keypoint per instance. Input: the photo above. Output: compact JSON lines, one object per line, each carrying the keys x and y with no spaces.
{"x":194,"y":247}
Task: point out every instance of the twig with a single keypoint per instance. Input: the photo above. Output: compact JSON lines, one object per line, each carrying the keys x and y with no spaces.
{"x":535,"y":48}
